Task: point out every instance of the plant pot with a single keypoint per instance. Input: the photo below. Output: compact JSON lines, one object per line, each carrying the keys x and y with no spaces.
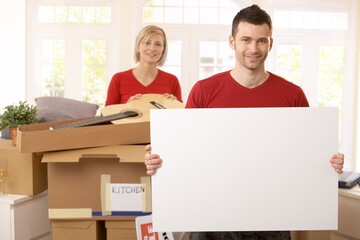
{"x":13,"y":133}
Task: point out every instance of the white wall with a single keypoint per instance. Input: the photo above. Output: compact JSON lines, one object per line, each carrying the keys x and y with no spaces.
{"x":12,"y":52}
{"x":356,"y":139}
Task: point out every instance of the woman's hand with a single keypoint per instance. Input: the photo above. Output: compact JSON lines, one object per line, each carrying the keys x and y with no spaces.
{"x":135,"y":97}
{"x":168,"y":95}
{"x":152,"y":161}
{"x":337,"y":162}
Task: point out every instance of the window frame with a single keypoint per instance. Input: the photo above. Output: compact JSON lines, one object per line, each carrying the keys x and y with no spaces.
{"x":70,"y":32}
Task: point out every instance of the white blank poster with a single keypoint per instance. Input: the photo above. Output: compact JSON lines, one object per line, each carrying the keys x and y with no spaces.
{"x":244,"y":169}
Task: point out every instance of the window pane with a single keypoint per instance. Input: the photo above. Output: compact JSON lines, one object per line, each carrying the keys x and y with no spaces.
{"x":75,"y":14}
{"x":174,"y":53}
{"x":288,"y":62}
{"x":190,"y":11}
{"x":226,"y":15}
{"x":331,"y":80}
{"x":296,"y":19}
{"x":209,"y":16}
{"x":208,"y":52}
{"x":205,"y":72}
{"x":226,"y":55}
{"x":174,"y":58}
{"x":281,"y":19}
{"x":222,"y":69}
{"x":173,"y":2}
{"x":53,"y":67}
{"x":191,"y":15}
{"x":173,"y":15}
{"x":208,"y":55}
{"x":176,"y":70}
{"x":325,"y":21}
{"x":209,"y":3}
{"x":310,"y":20}
{"x":340,"y":21}
{"x":331,"y":76}
{"x":153,"y":14}
{"x":46,"y":14}
{"x":229,"y":4}
{"x":103,"y":14}
{"x":155,"y":3}
{"x":61,"y":14}
{"x":89,"y":14}
{"x":191,"y":3}
{"x":94,"y":71}
{"x":215,"y":56}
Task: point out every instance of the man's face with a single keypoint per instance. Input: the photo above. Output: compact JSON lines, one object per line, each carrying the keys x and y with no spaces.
{"x":252,"y":44}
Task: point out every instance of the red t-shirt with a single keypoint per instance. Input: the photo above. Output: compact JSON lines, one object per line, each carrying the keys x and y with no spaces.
{"x":124,"y":85}
{"x":222,"y":91}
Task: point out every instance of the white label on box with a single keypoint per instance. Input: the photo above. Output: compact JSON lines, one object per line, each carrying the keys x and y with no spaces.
{"x":124,"y":197}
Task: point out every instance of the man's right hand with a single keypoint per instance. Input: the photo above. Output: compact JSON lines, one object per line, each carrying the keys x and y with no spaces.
{"x":152,"y":161}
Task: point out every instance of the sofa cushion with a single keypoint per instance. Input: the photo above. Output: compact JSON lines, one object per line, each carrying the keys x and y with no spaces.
{"x":59,"y":108}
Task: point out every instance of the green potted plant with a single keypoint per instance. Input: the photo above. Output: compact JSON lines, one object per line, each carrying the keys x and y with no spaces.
{"x":17,"y":114}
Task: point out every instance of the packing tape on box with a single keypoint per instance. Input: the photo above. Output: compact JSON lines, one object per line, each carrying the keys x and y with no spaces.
{"x":146,"y":197}
{"x":105,"y":178}
{"x":61,"y":213}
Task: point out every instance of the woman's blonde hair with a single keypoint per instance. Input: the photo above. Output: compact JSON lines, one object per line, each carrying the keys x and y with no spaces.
{"x":144,"y":35}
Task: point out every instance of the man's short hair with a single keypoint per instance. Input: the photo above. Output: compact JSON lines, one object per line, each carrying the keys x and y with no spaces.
{"x":252,"y":14}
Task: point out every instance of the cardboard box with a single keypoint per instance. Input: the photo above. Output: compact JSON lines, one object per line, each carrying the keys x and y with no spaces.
{"x":120,"y":230}
{"x":26,"y":174}
{"x":39,"y":138}
{"x":77,"y":180}
{"x":79,"y":230}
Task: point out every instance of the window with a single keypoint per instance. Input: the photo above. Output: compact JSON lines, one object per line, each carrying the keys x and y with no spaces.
{"x":310,"y":20}
{"x":173,"y":61}
{"x":94,"y":71}
{"x":189,"y":11}
{"x":288,"y":62}
{"x":74,"y":14}
{"x":331,"y":81}
{"x":75,"y":42}
{"x":214,"y":57}
{"x":331,"y":76}
{"x":53,"y":67}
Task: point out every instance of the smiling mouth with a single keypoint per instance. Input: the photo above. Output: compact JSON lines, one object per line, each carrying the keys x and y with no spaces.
{"x":253,"y":58}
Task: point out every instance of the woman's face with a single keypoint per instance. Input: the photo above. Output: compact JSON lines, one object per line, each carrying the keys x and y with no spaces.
{"x":151,"y":49}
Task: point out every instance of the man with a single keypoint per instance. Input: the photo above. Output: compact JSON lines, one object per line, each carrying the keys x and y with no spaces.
{"x":247,"y":85}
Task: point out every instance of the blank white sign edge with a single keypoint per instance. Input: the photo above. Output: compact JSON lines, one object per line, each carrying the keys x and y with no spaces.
{"x":295,"y":189}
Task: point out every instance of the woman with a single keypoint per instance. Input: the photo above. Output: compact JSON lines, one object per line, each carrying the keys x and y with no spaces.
{"x":150,"y":53}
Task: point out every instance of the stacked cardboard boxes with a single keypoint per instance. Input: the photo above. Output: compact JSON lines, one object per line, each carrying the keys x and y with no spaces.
{"x":80,"y":162}
{"x":83,"y":161}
